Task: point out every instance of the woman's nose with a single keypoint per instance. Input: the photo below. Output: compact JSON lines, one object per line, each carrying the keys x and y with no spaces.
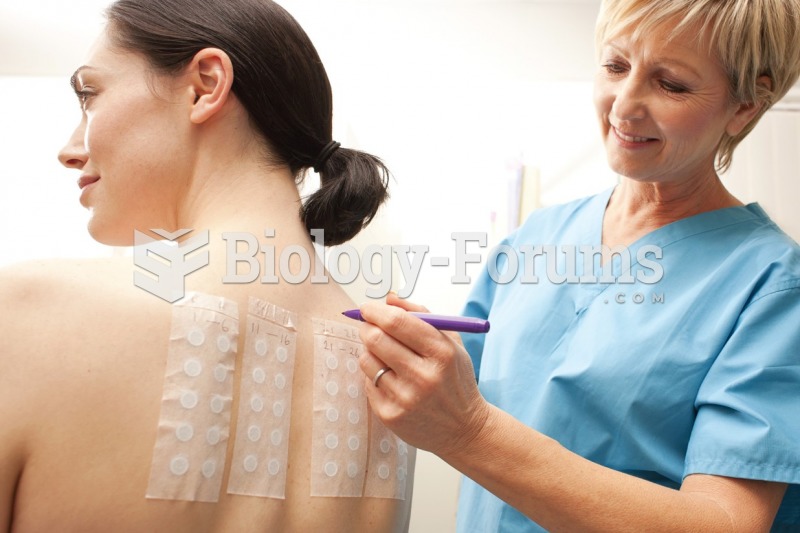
{"x":630,"y":100}
{"x":73,"y":154}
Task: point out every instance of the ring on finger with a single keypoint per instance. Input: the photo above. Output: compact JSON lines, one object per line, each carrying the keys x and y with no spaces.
{"x":379,"y":374}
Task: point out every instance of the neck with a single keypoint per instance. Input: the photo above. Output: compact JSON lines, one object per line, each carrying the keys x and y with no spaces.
{"x":246,"y":212}
{"x":241,"y":199}
{"x":230,"y":187}
{"x":637,"y":208}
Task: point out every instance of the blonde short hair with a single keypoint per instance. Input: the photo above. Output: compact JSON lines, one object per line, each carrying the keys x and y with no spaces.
{"x":751,"y":38}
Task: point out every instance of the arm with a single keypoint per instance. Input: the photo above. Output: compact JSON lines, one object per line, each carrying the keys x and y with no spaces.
{"x":563,"y":491}
{"x":432,"y":401}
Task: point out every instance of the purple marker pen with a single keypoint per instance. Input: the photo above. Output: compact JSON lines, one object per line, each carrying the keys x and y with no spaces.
{"x":465,"y":324}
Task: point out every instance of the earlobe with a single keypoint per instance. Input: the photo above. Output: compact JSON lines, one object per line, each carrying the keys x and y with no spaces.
{"x":211,"y":73}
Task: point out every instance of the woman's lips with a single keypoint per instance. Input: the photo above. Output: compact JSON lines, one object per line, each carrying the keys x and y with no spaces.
{"x":631,"y":138}
{"x":85,"y":181}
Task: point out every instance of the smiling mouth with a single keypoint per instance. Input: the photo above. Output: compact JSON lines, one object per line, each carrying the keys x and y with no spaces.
{"x":630,"y":138}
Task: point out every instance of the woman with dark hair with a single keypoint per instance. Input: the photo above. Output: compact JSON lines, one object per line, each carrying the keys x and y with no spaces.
{"x":197,"y":115}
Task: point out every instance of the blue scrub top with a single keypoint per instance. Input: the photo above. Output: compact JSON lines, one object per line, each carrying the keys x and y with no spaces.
{"x":695,"y":370}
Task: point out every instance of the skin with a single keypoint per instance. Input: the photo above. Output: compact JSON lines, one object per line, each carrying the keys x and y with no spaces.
{"x":80,"y":389}
{"x":670,"y":102}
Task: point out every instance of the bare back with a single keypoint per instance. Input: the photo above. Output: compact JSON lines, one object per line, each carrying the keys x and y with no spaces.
{"x":82,"y":366}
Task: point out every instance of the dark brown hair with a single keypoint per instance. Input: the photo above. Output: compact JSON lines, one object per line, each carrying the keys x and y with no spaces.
{"x":280,"y":80}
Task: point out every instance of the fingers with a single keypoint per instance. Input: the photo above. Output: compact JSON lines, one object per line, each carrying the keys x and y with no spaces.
{"x":380,"y":392}
{"x":382,"y":350}
{"x":394,"y":333}
{"x":379,"y":374}
{"x":418,"y":381}
{"x":373,"y":368}
{"x":395,"y":300}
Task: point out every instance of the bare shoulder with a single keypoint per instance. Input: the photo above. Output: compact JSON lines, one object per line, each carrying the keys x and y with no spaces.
{"x":54,"y":307}
{"x":33,"y":283}
{"x":81,"y":348}
{"x":46,"y":307}
{"x":36,"y":286}
{"x":58,"y":314}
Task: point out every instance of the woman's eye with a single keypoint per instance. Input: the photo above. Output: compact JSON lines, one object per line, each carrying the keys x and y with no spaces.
{"x":83,"y":97}
{"x":614,"y":68}
{"x":672,"y":87}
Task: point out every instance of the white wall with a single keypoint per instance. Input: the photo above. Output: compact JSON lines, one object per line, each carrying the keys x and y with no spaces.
{"x":766,"y":168}
{"x":39,"y":211}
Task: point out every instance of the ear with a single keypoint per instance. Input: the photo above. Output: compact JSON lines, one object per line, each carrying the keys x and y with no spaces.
{"x":746,"y":111}
{"x":211,"y":78}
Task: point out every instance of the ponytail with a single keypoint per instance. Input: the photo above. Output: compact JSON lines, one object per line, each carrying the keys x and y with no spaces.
{"x":353,"y":185}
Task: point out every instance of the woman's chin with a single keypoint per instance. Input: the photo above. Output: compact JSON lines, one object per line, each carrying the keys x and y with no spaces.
{"x":110,"y":235}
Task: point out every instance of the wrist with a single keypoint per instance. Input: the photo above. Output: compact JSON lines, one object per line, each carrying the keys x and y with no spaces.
{"x":474,"y":437}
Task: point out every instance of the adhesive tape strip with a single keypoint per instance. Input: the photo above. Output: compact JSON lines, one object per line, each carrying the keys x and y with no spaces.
{"x":261,"y":450}
{"x":340,"y":422}
{"x":388,"y":466}
{"x":194,"y":423}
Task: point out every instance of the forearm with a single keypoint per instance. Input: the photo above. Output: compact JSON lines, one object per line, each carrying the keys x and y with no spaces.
{"x":562,"y":491}
{"x":432,"y":401}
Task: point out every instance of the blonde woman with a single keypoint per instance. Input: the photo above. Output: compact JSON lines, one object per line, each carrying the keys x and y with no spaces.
{"x":656,"y":388}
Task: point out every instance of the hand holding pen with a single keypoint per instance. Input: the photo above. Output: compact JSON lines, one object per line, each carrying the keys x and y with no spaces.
{"x":419,"y":382}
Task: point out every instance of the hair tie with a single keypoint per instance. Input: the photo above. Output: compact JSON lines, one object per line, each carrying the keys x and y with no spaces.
{"x":325,"y":154}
